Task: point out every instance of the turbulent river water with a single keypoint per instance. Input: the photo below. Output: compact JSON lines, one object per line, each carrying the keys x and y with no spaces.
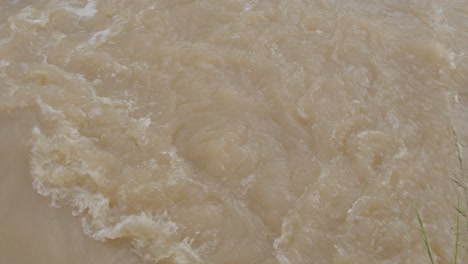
{"x":232,"y":131}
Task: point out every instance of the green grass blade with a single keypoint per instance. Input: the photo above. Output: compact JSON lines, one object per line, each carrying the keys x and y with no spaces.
{"x":422,"y":231}
{"x":457,"y":232}
{"x":464,"y":186}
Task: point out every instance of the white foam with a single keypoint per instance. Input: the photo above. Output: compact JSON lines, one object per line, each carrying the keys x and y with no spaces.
{"x":96,"y":39}
{"x":452,"y":58}
{"x":48,"y":109}
{"x":4,"y":63}
{"x":247,"y":183}
{"x":393,"y":120}
{"x":403,"y":151}
{"x":88,"y":11}
{"x":36,"y":131}
{"x":141,"y":226}
{"x":145,"y":121}
{"x":286,"y":231}
{"x":99,"y":37}
{"x":250,"y":5}
{"x":186,"y":247}
{"x":33,"y":16}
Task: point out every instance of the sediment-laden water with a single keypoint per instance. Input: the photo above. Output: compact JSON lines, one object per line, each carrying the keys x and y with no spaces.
{"x":232,"y":131}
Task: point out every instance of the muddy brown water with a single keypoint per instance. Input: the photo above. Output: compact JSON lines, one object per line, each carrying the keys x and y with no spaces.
{"x":222,"y":131}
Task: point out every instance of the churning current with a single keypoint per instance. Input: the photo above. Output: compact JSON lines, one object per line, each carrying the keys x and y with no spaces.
{"x":233,"y":131}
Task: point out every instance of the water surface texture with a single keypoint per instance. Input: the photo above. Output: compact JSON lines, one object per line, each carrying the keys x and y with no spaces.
{"x":232,"y":131}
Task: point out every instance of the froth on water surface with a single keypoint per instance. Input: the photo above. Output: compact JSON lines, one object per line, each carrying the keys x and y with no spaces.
{"x":240,"y":131}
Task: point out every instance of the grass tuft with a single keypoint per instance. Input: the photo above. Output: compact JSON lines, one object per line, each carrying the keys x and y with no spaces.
{"x":422,"y":231}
